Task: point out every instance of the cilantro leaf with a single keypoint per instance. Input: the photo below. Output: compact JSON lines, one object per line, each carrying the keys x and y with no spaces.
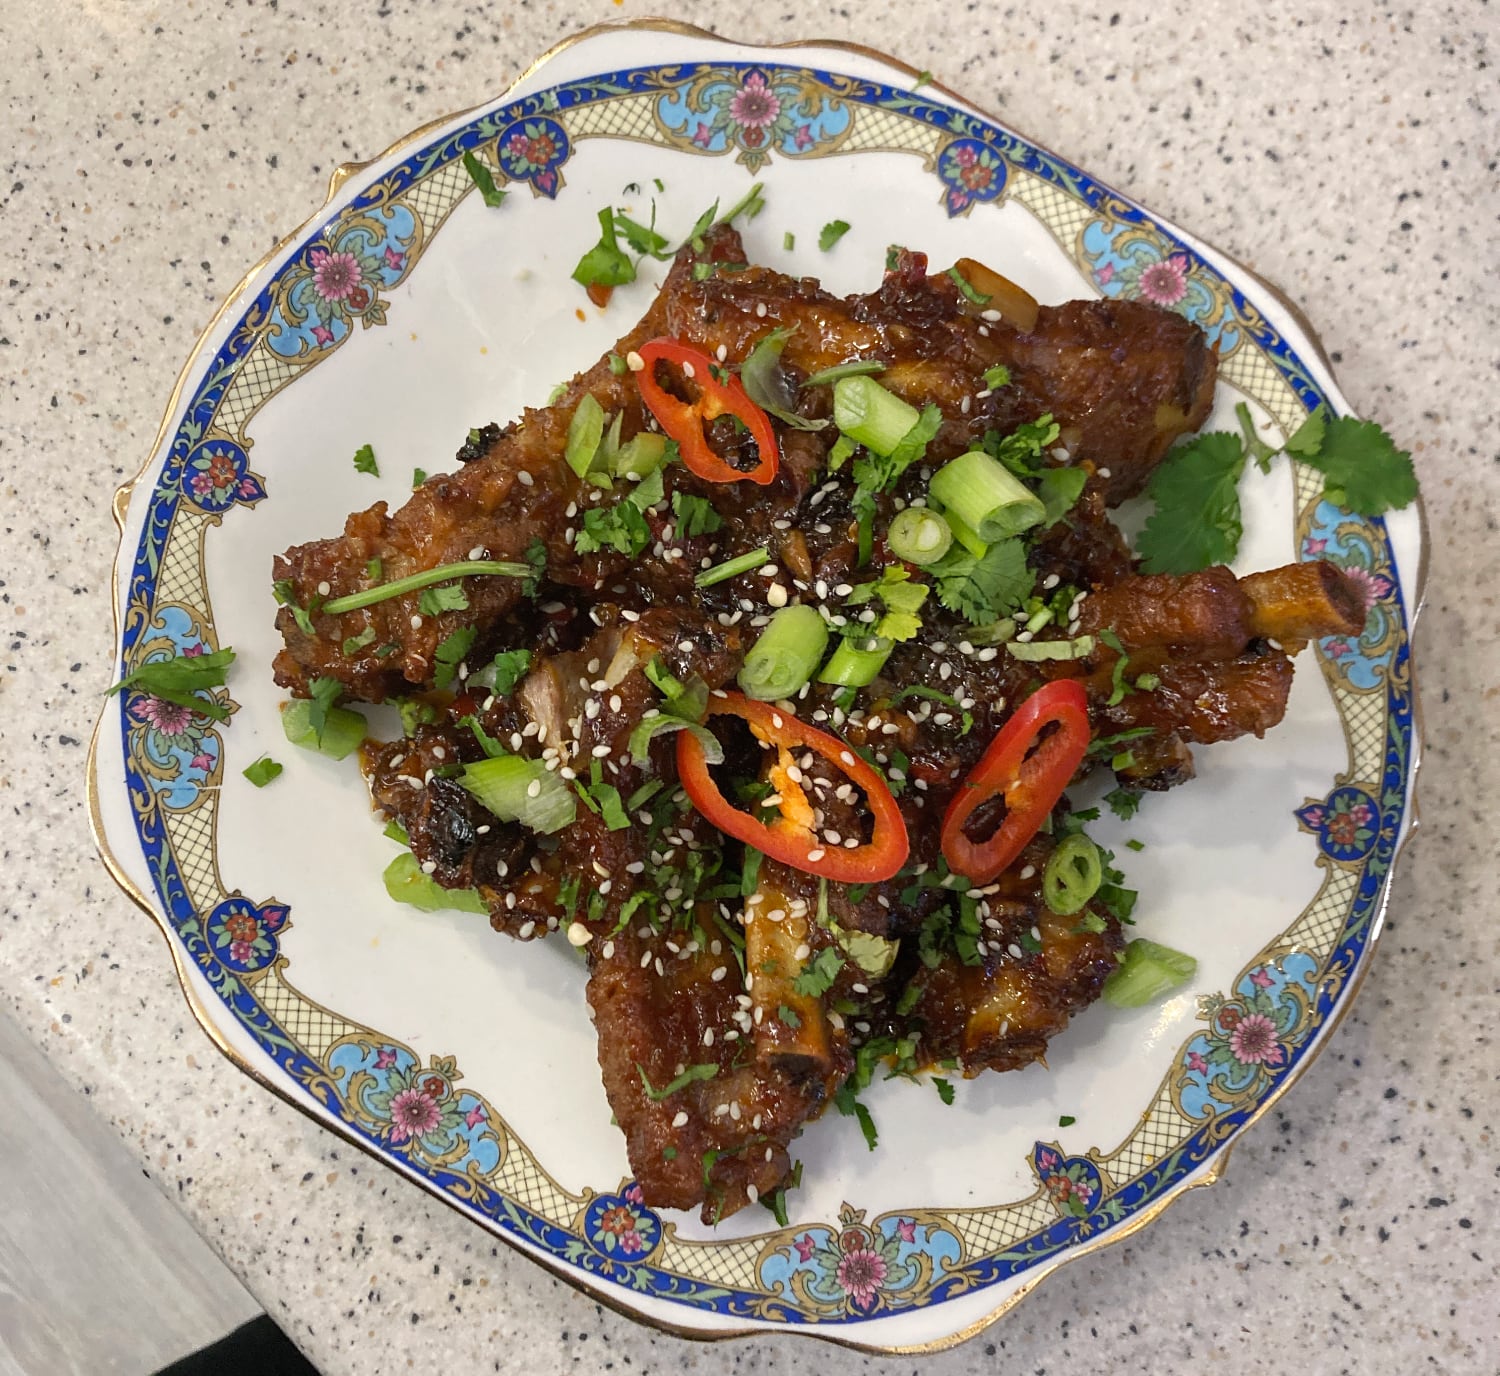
{"x":693,"y":1073}
{"x":850,"y":1107}
{"x":1021,"y":451}
{"x":1124,"y":803}
{"x":353,"y":644}
{"x":1362,"y":469}
{"x":606,"y":264}
{"x":997,"y":377}
{"x":446,"y":597}
{"x":484,"y":179}
{"x":450,"y":654}
{"x":818,"y":977}
{"x":324,"y":692}
{"x":944,"y":1089}
{"x":643,"y":238}
{"x":509,"y":668}
{"x":364,"y":460}
{"x":1197,"y":518}
{"x":175,"y":681}
{"x":900,"y":599}
{"x":988,"y":588}
{"x":534,"y":554}
{"x":262,"y":771}
{"x":695,"y":515}
{"x":1059,"y":489}
{"x":1256,"y":447}
{"x":620,"y":527}
{"x":831,"y":233}
{"x":1307,"y":438}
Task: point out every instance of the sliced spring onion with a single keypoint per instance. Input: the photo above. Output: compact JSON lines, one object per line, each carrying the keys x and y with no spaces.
{"x":732,"y":568}
{"x":521,"y":790}
{"x":853,"y":664}
{"x":368,"y":597}
{"x":343,"y":730}
{"x":855,"y":367}
{"x":1146,"y":972}
{"x":652,"y":726}
{"x":919,"y":535}
{"x":642,"y":455}
{"x":406,"y":883}
{"x":787,"y":654}
{"x":1035,"y":651}
{"x":870,"y":415}
{"x":770,"y":388}
{"x":585,"y":432}
{"x":1073,"y":875}
{"x":984,"y":495}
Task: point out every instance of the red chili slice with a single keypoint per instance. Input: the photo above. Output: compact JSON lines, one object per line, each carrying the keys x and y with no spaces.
{"x":1024,"y":769}
{"x":791,"y":841}
{"x":720,"y":393}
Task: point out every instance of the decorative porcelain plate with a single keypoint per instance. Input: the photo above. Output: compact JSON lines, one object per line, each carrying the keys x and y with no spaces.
{"x":407,"y":311}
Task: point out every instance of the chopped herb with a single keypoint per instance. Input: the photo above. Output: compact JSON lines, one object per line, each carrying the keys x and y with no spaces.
{"x":911,"y":996}
{"x":355,"y":643}
{"x":175,"y":681}
{"x":985,"y":588}
{"x":606,"y":264}
{"x":418,"y":477}
{"x":850,"y":1107}
{"x":450,"y":654}
{"x":364,"y":461}
{"x":695,"y":515}
{"x":262,"y":771}
{"x":1197,"y":518}
{"x":449,"y":597}
{"x":831,"y":233}
{"x":924,"y":78}
{"x":788,"y":1016}
{"x":509,"y":668}
{"x":967,"y":288}
{"x":1021,"y":451}
{"x":324,"y":693}
{"x":818,"y":977}
{"x":944,"y":1089}
{"x":1133,"y":844}
{"x":1124,"y":803}
{"x":642,"y":238}
{"x":669,"y":1153}
{"x":617,"y":365}
{"x":750,"y":871}
{"x":484,"y":179}
{"x":789,"y":241}
{"x":1254,"y":446}
{"x":691,"y":1075}
{"x":997,"y":377}
{"x":1066,"y":1121}
{"x":1105,"y":745}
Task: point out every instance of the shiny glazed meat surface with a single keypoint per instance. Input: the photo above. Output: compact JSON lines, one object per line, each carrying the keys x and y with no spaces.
{"x":736,"y":995}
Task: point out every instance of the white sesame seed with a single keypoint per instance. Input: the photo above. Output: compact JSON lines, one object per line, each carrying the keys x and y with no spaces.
{"x":324,"y":589}
{"x":428,"y":866}
{"x":719,"y":971}
{"x":1103,"y":472}
{"x":1050,"y":582}
{"x":600,"y":751}
{"x":680,"y":1119}
{"x":776,"y":595}
{"x":1028,"y":873}
{"x":416,"y":623}
{"x":579,"y":935}
{"x":635,"y":362}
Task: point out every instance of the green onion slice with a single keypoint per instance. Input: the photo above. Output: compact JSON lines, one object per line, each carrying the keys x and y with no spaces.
{"x":1073,"y":875}
{"x":1035,"y":651}
{"x":652,"y":726}
{"x":368,"y":597}
{"x":1147,"y":971}
{"x":983,"y":494}
{"x":854,"y":665}
{"x":919,"y":535}
{"x":521,"y":790}
{"x":585,"y":433}
{"x":855,"y":367}
{"x":732,"y":568}
{"x":872,"y":416}
{"x":406,"y":883}
{"x":786,"y":656}
{"x":342,"y":733}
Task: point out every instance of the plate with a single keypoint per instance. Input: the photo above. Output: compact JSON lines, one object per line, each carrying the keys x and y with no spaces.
{"x":407,"y":311}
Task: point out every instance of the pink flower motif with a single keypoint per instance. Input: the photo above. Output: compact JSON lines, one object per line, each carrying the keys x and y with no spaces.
{"x":394,"y":260}
{"x":1361,"y":814}
{"x":632,"y":1242}
{"x":703,"y":135}
{"x":1165,"y":283}
{"x":246,"y":487}
{"x":335,"y":275}
{"x":166,"y":717}
{"x":1373,"y":586}
{"x":634,"y":1193}
{"x":412,"y":1114}
{"x":202,"y":485}
{"x":1048,"y":1160}
{"x":385,"y":1059}
{"x":755,"y":105}
{"x":1253,"y":1041}
{"x":322,"y":335}
{"x":1260,"y":979}
{"x":194,"y":650}
{"x":241,"y":952}
{"x":1196,"y":1062}
{"x":272,"y":918}
{"x":860,"y":1272}
{"x":965,"y":156}
{"x":475,"y":1116}
{"x":516,"y":143}
{"x":1314,"y":547}
{"x":1337,"y":648}
{"x":906,"y":1229}
{"x":805,"y":1246}
{"x":203,"y":762}
{"x":1106,"y":274}
{"x":803,"y":138}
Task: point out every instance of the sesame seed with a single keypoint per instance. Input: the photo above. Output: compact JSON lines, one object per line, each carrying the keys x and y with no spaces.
{"x":527,"y":928}
{"x":1050,"y":582}
{"x":428,"y":866}
{"x":1028,"y":873}
{"x":324,"y":589}
{"x":525,"y":478}
{"x":1103,"y":472}
{"x":815,"y":855}
{"x":776,"y":595}
{"x":600,"y":751}
{"x":993,"y":316}
{"x":579,"y":935}
{"x":719,"y":971}
{"x":416,"y":623}
{"x":635,"y":362}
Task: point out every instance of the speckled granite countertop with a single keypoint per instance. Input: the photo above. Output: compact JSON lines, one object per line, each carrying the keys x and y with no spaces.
{"x":152,"y":153}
